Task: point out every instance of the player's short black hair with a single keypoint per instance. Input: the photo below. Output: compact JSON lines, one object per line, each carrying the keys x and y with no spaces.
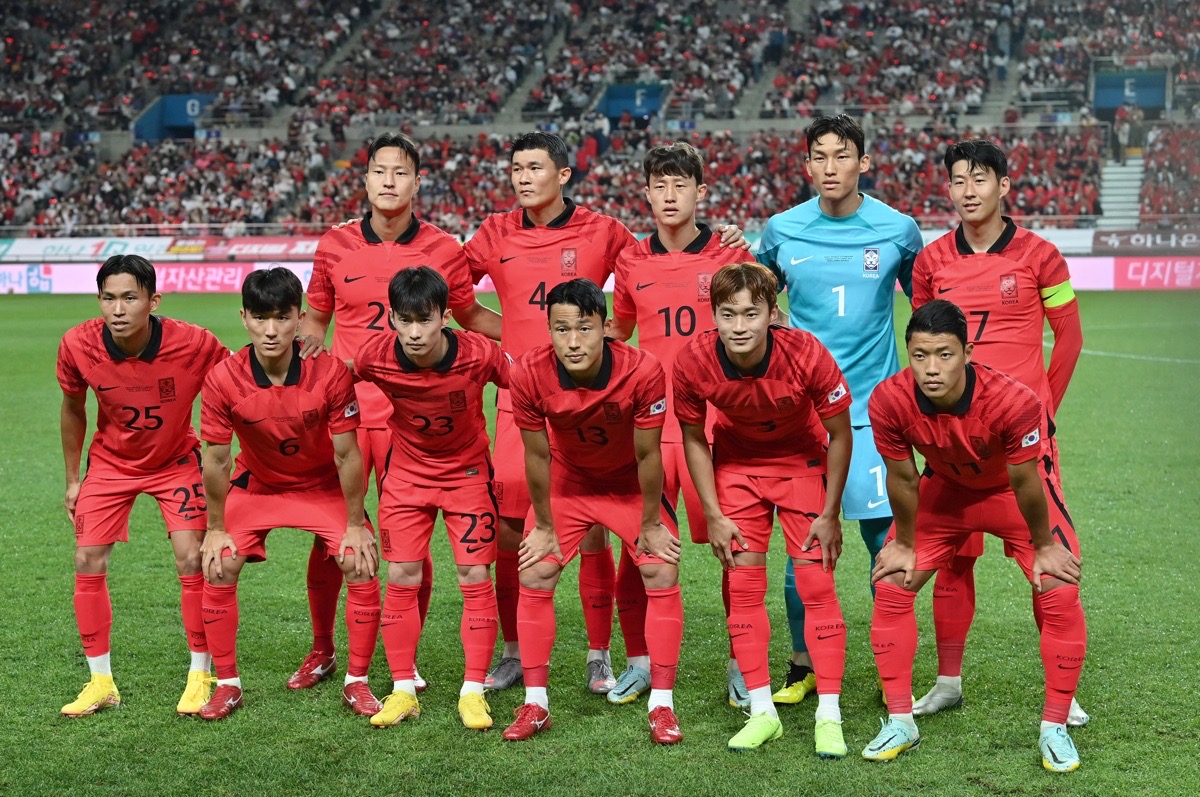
{"x":139,"y":267}
{"x":938,"y":317}
{"x":734,"y":278}
{"x":554,"y":146}
{"x":680,"y":159}
{"x":405,"y":144}
{"x":272,"y":290}
{"x":581,"y":293}
{"x":842,"y":126}
{"x":979,"y":153}
{"x":419,"y":292}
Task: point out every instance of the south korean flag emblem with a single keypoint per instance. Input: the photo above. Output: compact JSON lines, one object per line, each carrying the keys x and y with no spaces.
{"x":1031,"y":439}
{"x":837,"y":394}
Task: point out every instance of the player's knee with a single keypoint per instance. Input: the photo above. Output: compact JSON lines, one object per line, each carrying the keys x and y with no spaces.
{"x":473,"y":574}
{"x":543,"y":576}
{"x":659,"y":576}
{"x":405,"y":574}
{"x":187,"y":562}
{"x":92,"y":559}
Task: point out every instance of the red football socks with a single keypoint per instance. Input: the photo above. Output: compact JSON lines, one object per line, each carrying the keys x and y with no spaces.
{"x":478,"y":628}
{"x":508,"y":588}
{"x":596,"y":580}
{"x":894,"y":640}
{"x":324,"y":586}
{"x":362,"y":625}
{"x":93,"y":613}
{"x":824,"y":628}
{"x":401,"y":624}
{"x":664,"y":633}
{"x":1063,"y":646}
{"x":191,"y":597}
{"x":953,"y":612}
{"x":536,"y":625}
{"x":749,"y":627}
{"x":220,"y":612}
{"x":426,"y":591}
{"x":631,"y":605}
{"x":725,"y":601}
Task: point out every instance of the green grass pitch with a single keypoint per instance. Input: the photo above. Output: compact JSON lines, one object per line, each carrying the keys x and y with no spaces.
{"x":1129,"y":439}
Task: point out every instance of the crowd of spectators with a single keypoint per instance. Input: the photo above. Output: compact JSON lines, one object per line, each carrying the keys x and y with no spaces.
{"x":709,"y":51}
{"x":1171,"y":181}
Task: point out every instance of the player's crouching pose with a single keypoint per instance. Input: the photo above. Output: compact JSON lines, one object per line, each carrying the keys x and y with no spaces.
{"x":778,"y":394}
{"x":980,"y":433}
{"x":434,"y":378}
{"x":604,"y":404}
{"x":299,"y":467}
{"x":145,"y":372}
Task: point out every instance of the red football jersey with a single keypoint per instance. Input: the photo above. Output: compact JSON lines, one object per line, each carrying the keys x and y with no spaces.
{"x":667,"y":294}
{"x":439,"y":435}
{"x":526,"y":261}
{"x":997,"y":422}
{"x":351,"y":271}
{"x":144,"y":421}
{"x":768,"y":422}
{"x":591,"y":428}
{"x":1000,"y":293}
{"x":284,"y":430}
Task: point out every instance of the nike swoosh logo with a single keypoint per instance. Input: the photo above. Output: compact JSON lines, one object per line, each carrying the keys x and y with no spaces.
{"x":882,"y":744}
{"x":1057,"y":760}
{"x":348,"y":280}
{"x":251,"y":423}
{"x":473,"y":548}
{"x":945,"y":290}
{"x":1065,"y":667}
{"x":362,"y":622}
{"x":640,"y":286}
{"x":506,"y":259}
{"x":826,"y":636}
{"x":873,"y":504}
{"x":480,"y":627}
{"x":106,"y":389}
{"x":206,"y":622}
{"x":735,"y":636}
{"x":798,"y":260}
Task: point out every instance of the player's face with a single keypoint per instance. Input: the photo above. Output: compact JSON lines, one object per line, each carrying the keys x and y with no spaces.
{"x":126,"y":307}
{"x":834,"y":165}
{"x":976,"y":193}
{"x":742,"y":324}
{"x":391,"y":181}
{"x":535,"y":178}
{"x":673,"y":199}
{"x":578,"y":341}
{"x":939,"y":364}
{"x":420,"y":334}
{"x":272,"y":331}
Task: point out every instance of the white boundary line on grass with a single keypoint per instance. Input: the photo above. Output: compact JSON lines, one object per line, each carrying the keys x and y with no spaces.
{"x":1141,"y":357}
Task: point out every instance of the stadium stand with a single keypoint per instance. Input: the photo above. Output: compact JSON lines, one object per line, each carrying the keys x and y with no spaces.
{"x":1171,"y":181}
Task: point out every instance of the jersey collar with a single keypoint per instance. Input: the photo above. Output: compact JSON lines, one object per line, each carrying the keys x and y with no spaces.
{"x":731,"y":370}
{"x":964,"y":402}
{"x":148,"y":354}
{"x":694,"y":248}
{"x":558,"y":221}
{"x":260,"y":376}
{"x":602,"y":377}
{"x":964,"y":248}
{"x":441,"y":366}
{"x":406,"y":237}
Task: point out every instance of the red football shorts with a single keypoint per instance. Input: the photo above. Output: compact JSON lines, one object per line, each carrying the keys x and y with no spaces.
{"x":508,"y":460}
{"x":973,"y":545}
{"x":374,"y":445}
{"x":251,"y":515}
{"x":106,"y":498}
{"x":947,"y":513}
{"x":576,"y":508}
{"x":677,"y":479}
{"x":407,"y":513}
{"x":753,"y":501}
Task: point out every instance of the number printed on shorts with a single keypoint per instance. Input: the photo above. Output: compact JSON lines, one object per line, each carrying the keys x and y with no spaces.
{"x":475,"y":543}
{"x":191,"y":500}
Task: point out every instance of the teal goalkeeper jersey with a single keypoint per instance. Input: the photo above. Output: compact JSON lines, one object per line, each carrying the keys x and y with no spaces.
{"x":840,"y":275}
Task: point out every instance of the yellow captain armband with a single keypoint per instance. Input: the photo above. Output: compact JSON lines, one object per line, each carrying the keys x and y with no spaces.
{"x":1058,"y":295}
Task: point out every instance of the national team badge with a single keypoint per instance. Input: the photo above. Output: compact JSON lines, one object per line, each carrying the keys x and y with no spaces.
{"x":352,"y":409}
{"x":570,"y":262}
{"x":871,"y":262}
{"x":785,"y":403}
{"x":612,"y":412}
{"x":1031,"y":439}
{"x":703,"y":287}
{"x":1008,"y":288}
{"x":166,"y":389}
{"x":658,"y":407}
{"x":837,"y":394}
{"x":980,"y":447}
{"x":311,"y":419}
{"x":458,"y":400}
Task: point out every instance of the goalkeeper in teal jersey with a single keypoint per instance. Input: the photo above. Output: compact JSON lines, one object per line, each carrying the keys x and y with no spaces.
{"x":839,"y":257}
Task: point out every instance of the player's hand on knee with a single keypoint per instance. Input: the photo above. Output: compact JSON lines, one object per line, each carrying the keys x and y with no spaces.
{"x":366,"y":555}
{"x":895,"y":558}
{"x":215,"y":541}
{"x":311,"y":346}
{"x":656,"y":540}
{"x":723,"y":534}
{"x":828,"y":532}
{"x":539,"y":543}
{"x":1055,"y":561}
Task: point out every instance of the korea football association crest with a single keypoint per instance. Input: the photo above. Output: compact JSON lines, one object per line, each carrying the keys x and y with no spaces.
{"x":570,"y":262}
{"x":703,"y":287}
{"x":166,"y":389}
{"x":458,"y":400}
{"x":1008,"y":289}
{"x":871,"y":262}
{"x":311,"y":418}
